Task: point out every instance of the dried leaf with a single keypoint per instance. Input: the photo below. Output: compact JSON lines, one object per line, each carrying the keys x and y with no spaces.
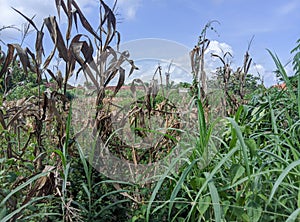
{"x":222,"y":60}
{"x":248,"y":66}
{"x":23,"y":57}
{"x":76,"y":49}
{"x":28,"y":19}
{"x":74,"y":14}
{"x":39,"y":47}
{"x":58,"y":5}
{"x":51,"y":74}
{"x":57,"y":37}
{"x":2,"y":122}
{"x":8,"y":59}
{"x":133,"y":67}
{"x":70,"y":20}
{"x":154,"y":88}
{"x":111,"y":76}
{"x":32,"y":55}
{"x":49,"y":58}
{"x":17,"y":115}
{"x":133,"y":90}
{"x":120,"y":81}
{"x":192,"y":59}
{"x":227,"y":53}
{"x":84,"y":21}
{"x":86,"y":49}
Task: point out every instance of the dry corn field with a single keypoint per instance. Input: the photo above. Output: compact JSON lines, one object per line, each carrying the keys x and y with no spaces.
{"x":221,"y":147}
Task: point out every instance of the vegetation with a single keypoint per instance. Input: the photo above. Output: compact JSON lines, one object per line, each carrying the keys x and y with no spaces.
{"x":242,"y":166}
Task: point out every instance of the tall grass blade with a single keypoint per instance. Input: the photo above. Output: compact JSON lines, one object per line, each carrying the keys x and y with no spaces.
{"x":84,"y":162}
{"x":281,"y":177}
{"x":293,"y":216}
{"x":273,"y":118}
{"x":68,"y":126}
{"x":243,"y":145}
{"x":298,"y":90}
{"x":161,"y":180}
{"x":283,"y":73}
{"x":202,"y":124}
{"x":211,"y":175}
{"x":98,"y":215}
{"x":215,"y":199}
{"x":15,"y":212}
{"x":178,"y":186}
{"x":17,"y":189}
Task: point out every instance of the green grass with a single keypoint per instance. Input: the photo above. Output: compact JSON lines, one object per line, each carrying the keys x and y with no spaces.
{"x":243,"y":167}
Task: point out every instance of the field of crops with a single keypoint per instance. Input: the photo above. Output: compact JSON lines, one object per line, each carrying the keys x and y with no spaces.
{"x":219,"y":149}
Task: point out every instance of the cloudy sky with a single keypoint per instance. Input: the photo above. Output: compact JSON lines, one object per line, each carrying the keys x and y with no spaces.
{"x":273,"y":23}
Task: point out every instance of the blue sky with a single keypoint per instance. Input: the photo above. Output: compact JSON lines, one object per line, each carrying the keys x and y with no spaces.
{"x":275,"y":24}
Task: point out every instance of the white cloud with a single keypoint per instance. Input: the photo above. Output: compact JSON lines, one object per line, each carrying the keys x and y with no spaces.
{"x":269,"y":78}
{"x":149,"y":53}
{"x":128,"y":8}
{"x":160,"y":51}
{"x":257,"y":69}
{"x":8,"y":17}
{"x":288,"y":7}
{"x":38,"y":8}
{"x":219,"y":48}
{"x":42,"y":9}
{"x":260,"y":71}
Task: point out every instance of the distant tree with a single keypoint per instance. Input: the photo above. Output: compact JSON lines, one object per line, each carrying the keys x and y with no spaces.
{"x":16,"y":77}
{"x":184,"y":85}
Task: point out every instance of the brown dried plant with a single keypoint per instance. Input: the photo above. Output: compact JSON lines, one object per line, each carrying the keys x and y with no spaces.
{"x":232,"y":101}
{"x":41,"y":119}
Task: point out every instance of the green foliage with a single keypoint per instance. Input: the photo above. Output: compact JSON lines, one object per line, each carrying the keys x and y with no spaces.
{"x":18,"y":84}
{"x":248,"y":172}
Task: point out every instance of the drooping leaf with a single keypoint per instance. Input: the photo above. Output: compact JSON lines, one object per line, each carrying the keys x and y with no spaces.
{"x":84,"y":21}
{"x":133,"y":67}
{"x":221,"y":59}
{"x":39,"y":46}
{"x":56,"y":36}
{"x":23,"y":57}
{"x":8,"y":59}
{"x":120,"y":81}
{"x":236,"y":171}
{"x":70,"y":19}
{"x":58,"y":5}
{"x":49,"y":58}
{"x":28,"y":19}
{"x":76,"y":49}
{"x":110,"y":20}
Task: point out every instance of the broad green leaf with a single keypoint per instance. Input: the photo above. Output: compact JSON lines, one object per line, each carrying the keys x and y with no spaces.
{"x":252,"y":146}
{"x":236,"y":171}
{"x":254,"y":211}
{"x":204,"y":204}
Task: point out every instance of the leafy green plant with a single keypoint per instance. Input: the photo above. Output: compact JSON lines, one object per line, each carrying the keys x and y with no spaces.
{"x":242,"y":168}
